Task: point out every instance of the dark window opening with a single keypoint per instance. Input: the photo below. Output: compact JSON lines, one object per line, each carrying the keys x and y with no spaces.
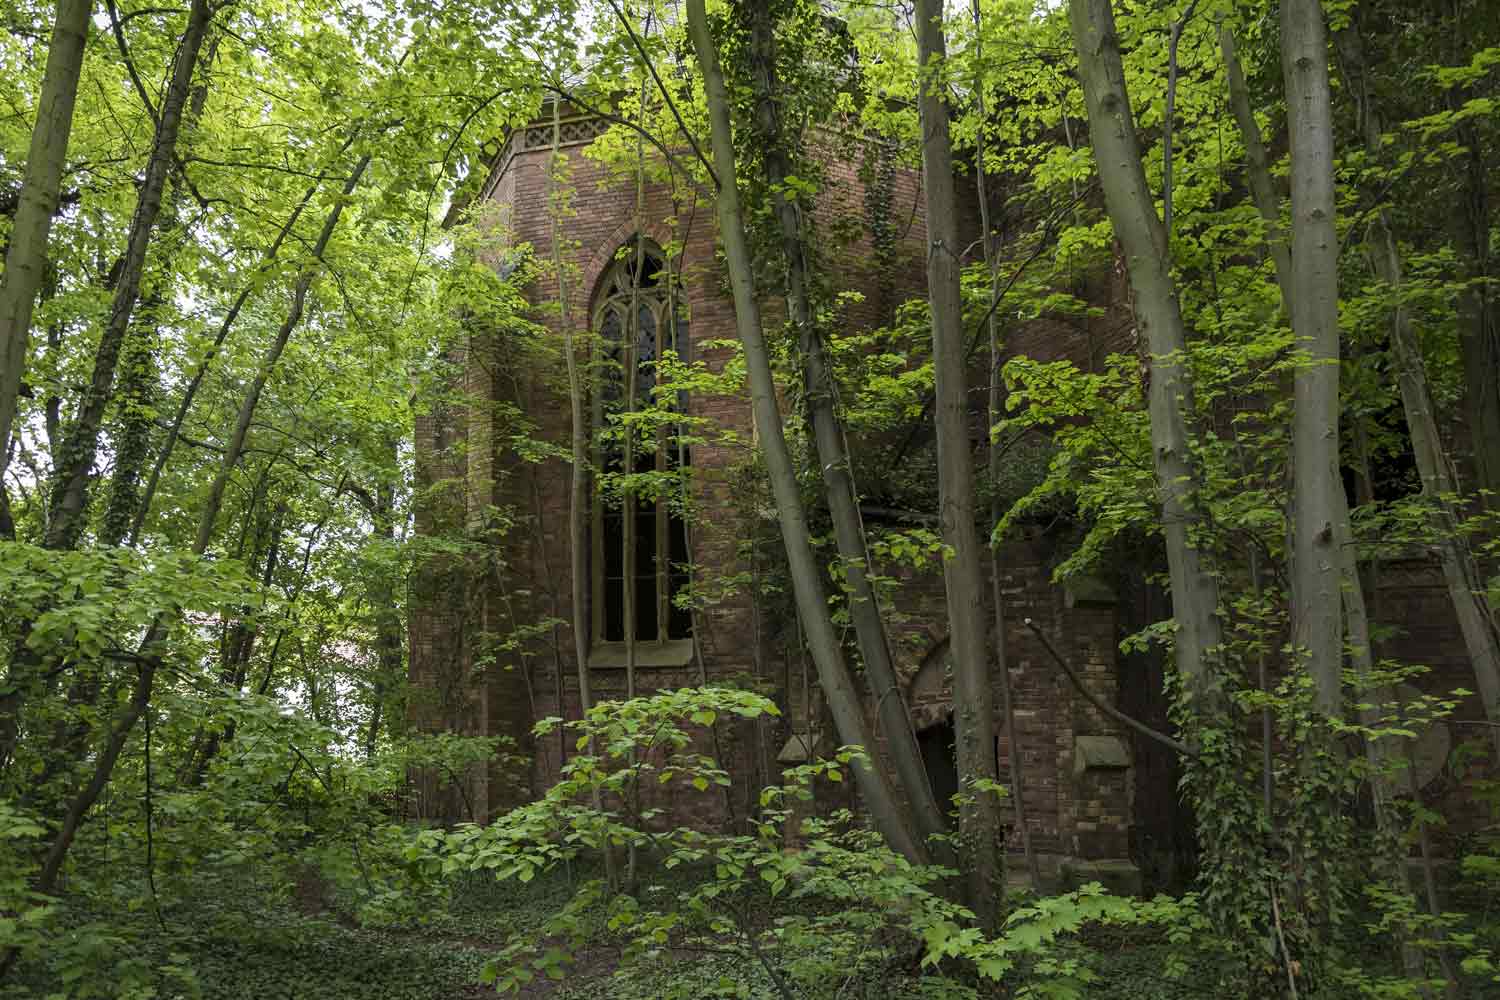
{"x":940,"y":757}
{"x":639,"y":319}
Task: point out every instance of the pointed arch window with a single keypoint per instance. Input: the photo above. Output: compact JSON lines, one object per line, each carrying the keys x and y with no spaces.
{"x":640,"y":547}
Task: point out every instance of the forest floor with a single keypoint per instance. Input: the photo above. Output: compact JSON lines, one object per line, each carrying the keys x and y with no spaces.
{"x":239,"y":947}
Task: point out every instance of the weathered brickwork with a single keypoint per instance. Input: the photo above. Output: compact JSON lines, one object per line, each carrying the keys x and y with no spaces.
{"x":1073,"y":811}
{"x":1412,"y":593}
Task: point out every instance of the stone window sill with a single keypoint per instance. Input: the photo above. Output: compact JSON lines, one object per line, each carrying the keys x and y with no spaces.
{"x":672,"y":653}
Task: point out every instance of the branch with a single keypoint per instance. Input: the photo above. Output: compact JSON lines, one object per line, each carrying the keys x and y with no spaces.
{"x":1105,"y":707}
{"x":651,"y":68}
{"x":1166,"y":140}
{"x":364,"y":872}
{"x":250,"y":165}
{"x":117,"y":28}
{"x":144,"y":11}
{"x":1044,"y":243}
{"x":661,"y":148}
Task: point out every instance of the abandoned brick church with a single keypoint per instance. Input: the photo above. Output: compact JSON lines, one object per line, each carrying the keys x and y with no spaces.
{"x":1098,"y":799}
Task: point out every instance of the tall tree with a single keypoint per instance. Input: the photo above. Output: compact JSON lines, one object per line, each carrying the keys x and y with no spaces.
{"x":578,"y":436}
{"x":70,"y":485}
{"x":828,"y":439}
{"x":1320,"y":515}
{"x":1158,"y":313}
{"x":149,"y":659}
{"x":1360,"y":645}
{"x":963,"y":575}
{"x":1478,"y":303}
{"x":26,"y":257}
{"x":996,"y":458}
{"x":807,"y":583}
{"x":1466,"y":589}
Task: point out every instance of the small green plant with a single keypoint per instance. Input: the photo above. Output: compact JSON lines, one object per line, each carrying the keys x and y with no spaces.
{"x":809,"y":920}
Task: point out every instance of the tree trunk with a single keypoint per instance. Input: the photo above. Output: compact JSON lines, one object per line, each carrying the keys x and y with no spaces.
{"x":1479,"y":324}
{"x":578,"y":492}
{"x":807,"y":582}
{"x":1195,"y":591}
{"x":389,"y":641}
{"x":140,"y":383}
{"x":1478,"y":310}
{"x":26,"y":256}
{"x":629,"y":509}
{"x":1466,"y":589}
{"x":1257,"y":164}
{"x":1352,"y":583}
{"x":1377,"y":752}
{"x":70,"y":484}
{"x":174,"y":430}
{"x":1319,"y":510}
{"x":833,"y":459}
{"x":240,"y":637}
{"x":997,"y":595}
{"x":963,"y":577}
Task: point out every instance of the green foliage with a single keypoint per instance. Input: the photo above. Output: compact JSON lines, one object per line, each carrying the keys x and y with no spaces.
{"x":24,"y":913}
{"x":809,"y":920}
{"x":273,"y":754}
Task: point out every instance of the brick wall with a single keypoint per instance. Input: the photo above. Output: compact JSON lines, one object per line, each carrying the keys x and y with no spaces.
{"x":736,"y":639}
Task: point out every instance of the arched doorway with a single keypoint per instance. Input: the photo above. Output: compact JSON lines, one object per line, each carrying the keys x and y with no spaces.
{"x":930,"y":697}
{"x":940,"y":758}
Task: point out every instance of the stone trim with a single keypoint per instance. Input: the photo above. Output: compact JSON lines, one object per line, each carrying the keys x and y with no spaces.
{"x":672,"y":653}
{"x":603,"y":256}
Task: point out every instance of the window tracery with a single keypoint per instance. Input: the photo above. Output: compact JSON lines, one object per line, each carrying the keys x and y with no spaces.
{"x":639,"y":537}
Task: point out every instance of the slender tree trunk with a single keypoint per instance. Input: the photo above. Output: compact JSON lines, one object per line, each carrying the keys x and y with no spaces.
{"x":1478,"y":304}
{"x":807,"y":583}
{"x":963,"y":577}
{"x":578,"y":492}
{"x":1466,"y":591}
{"x":1195,"y":591}
{"x":629,"y":509}
{"x":1377,"y":752}
{"x":1479,"y":322}
{"x":174,"y":430}
{"x":1356,"y":616}
{"x":70,"y":485}
{"x":215,"y":498}
{"x":237,"y":646}
{"x":578,"y":495}
{"x":389,"y":639}
{"x":997,"y":594}
{"x":1258,"y":165}
{"x":1319,"y":511}
{"x":26,"y":256}
{"x":833,"y":459}
{"x":140,"y":383}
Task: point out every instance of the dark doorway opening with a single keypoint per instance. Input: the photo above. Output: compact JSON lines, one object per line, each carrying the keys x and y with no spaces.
{"x":940,"y":757}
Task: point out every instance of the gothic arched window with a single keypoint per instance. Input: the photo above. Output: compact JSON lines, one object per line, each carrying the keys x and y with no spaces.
{"x":639,"y":538}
